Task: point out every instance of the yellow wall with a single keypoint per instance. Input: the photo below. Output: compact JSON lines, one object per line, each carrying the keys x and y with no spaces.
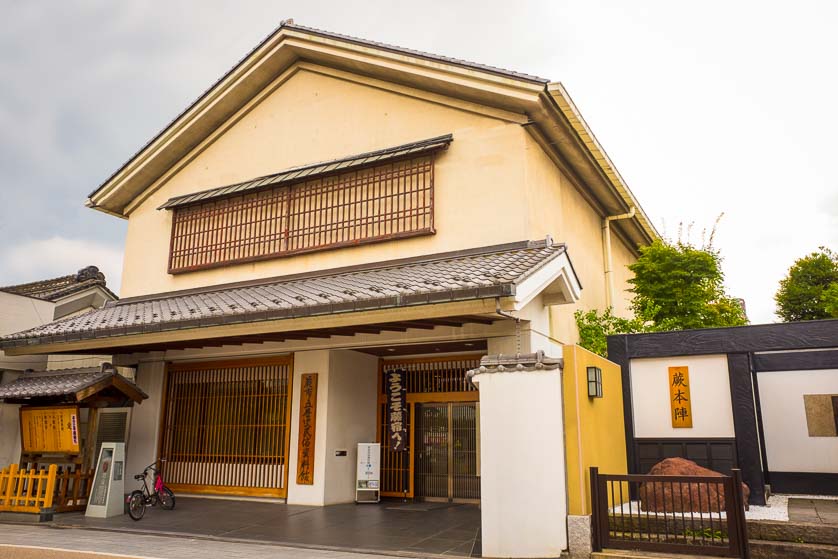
{"x":594,"y":427}
{"x":493,"y":185}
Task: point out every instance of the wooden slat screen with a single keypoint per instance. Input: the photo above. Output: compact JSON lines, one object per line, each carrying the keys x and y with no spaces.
{"x":226,"y":428}
{"x":444,"y":374}
{"x":362,"y":206}
{"x":424,"y":375}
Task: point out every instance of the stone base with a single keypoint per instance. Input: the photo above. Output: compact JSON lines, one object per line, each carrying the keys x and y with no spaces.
{"x":27,"y":517}
{"x":579,"y":536}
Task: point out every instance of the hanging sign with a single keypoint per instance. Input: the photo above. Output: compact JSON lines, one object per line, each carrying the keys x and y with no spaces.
{"x":396,"y":414}
{"x":679,"y":397}
{"x":308,"y":425}
{"x":53,"y":429}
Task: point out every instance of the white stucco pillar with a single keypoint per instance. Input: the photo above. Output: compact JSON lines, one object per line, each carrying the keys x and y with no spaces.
{"x":523,"y":485}
{"x":306,"y":362}
{"x":346,"y":411}
{"x":144,"y":429}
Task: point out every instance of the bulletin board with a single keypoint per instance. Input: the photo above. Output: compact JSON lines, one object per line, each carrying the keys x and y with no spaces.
{"x":50,"y":429}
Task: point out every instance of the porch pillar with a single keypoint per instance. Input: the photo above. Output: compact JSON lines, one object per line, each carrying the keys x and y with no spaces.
{"x":523,"y":488}
{"x":144,"y":427}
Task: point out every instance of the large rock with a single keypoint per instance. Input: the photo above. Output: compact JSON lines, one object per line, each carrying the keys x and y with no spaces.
{"x":665,"y":496}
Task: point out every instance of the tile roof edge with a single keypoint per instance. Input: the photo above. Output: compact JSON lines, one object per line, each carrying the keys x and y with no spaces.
{"x":381,"y":265}
{"x":176,"y":201}
{"x":60,"y":372}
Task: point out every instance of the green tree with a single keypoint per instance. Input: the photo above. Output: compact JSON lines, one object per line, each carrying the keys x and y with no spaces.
{"x":810,"y":289}
{"x":594,"y":328}
{"x":677,"y":286}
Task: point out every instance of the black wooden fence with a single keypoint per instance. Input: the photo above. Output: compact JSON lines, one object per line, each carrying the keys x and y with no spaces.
{"x":698,"y":515}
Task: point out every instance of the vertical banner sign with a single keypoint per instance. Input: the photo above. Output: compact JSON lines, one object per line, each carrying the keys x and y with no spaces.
{"x":679,"y":397}
{"x":396,"y":402}
{"x":308,"y":424}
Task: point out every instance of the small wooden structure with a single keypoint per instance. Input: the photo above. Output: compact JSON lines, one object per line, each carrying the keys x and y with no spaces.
{"x":56,"y":462}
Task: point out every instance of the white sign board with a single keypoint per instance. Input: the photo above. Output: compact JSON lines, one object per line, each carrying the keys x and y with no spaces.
{"x":108,"y":493}
{"x":368,"y":476}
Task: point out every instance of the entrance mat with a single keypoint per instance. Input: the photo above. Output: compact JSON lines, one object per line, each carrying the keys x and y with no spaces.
{"x":422,"y":507}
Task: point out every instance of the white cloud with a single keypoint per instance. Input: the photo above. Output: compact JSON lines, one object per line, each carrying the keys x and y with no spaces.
{"x":58,"y":256}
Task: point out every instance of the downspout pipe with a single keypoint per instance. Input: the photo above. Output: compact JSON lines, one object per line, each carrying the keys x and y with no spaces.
{"x":606,"y":251}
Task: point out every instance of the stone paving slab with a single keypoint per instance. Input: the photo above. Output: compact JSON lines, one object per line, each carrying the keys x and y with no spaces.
{"x":815,"y":511}
{"x":48,"y":542}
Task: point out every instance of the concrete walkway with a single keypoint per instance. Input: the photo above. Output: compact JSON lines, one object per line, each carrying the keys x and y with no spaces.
{"x":389,"y":528}
{"x":50,"y":542}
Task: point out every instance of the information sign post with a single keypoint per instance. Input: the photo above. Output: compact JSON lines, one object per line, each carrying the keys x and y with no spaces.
{"x":368,"y":477}
{"x":107,"y":496}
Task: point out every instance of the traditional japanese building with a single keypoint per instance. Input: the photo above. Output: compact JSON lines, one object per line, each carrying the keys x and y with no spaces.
{"x":333,"y":210}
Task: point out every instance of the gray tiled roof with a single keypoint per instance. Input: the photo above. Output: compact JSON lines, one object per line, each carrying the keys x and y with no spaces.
{"x":63,"y":382}
{"x":307,"y":172}
{"x":465,"y":275}
{"x":56,"y":288}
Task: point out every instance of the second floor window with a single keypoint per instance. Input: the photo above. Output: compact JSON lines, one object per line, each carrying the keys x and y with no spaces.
{"x":326,"y":210}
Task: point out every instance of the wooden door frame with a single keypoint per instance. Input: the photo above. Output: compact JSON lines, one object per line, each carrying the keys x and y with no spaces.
{"x":418,"y":398}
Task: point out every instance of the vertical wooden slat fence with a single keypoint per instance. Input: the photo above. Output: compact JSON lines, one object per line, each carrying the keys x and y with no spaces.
{"x":699,"y":515}
{"x":227,"y":427}
{"x":73,"y":489}
{"x":27,"y":490}
{"x":371,"y":204}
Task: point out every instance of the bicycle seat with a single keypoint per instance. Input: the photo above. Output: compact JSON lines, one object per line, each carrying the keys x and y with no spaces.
{"x":139,"y":476}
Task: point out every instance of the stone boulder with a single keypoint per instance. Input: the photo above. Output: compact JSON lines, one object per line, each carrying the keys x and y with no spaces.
{"x":664,"y":496}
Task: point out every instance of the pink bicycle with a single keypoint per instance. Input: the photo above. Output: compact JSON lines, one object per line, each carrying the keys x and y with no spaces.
{"x":139,"y":499}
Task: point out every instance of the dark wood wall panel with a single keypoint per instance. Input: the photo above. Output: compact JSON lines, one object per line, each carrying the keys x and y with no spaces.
{"x":716,"y":454}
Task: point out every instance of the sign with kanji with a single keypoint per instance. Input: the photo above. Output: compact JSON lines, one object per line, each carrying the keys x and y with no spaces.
{"x":308,"y":425}
{"x":679,"y":397}
{"x":396,"y":413}
{"x":52,"y":429}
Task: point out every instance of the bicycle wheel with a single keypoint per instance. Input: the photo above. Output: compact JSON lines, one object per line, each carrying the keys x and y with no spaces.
{"x":167,"y":498}
{"x":136,"y":505}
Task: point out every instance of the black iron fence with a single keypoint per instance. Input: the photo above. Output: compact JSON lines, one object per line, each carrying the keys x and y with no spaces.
{"x":677,"y":514}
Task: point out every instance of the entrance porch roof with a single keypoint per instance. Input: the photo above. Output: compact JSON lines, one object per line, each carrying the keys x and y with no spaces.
{"x":80,"y":385}
{"x":407,"y":293}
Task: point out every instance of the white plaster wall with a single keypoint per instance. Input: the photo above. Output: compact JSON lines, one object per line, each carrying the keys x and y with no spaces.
{"x":788,"y":446}
{"x":353,"y":384}
{"x":18,"y":313}
{"x":9,"y":427}
{"x":144,"y":428}
{"x":309,"y":362}
{"x":523,"y":492}
{"x":710,"y":392}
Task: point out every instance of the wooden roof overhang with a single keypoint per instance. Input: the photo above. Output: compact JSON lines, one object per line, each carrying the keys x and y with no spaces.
{"x":259,"y":333}
{"x":544,"y":108}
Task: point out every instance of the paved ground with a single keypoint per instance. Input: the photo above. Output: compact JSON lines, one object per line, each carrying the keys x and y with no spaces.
{"x":815,"y":511}
{"x":412,"y":529}
{"x":49,"y":542}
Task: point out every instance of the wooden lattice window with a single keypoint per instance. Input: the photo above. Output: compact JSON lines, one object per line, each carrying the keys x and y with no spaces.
{"x":227,"y":427}
{"x":366,"y":205}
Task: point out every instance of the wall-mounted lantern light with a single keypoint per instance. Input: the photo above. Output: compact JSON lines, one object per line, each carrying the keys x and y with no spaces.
{"x":594,"y":382}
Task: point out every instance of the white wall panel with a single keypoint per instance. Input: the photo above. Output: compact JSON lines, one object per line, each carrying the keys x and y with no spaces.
{"x":710,"y":392}
{"x":788,"y":446}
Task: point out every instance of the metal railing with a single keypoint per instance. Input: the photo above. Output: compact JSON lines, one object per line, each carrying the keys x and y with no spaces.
{"x":700,"y":515}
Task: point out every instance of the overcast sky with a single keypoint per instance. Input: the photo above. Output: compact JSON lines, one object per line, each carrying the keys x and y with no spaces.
{"x":705,"y":107}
